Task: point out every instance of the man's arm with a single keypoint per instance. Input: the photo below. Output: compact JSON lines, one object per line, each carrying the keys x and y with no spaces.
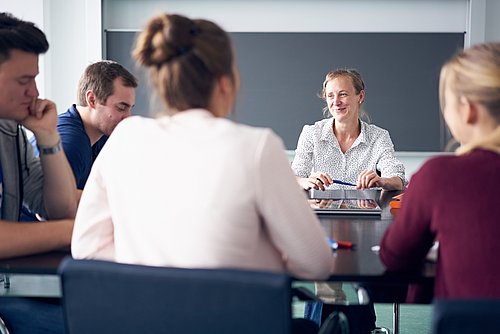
{"x":30,"y":238}
{"x":59,"y":189}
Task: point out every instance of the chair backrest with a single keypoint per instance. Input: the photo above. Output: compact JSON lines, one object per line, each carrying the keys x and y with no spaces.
{"x":3,"y":328}
{"x":466,"y":316}
{"x":108,"y":297}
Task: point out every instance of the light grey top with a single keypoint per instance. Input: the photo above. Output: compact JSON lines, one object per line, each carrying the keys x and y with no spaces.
{"x":22,"y":172}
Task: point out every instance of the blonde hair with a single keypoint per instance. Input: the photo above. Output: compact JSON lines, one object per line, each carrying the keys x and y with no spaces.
{"x":475,"y":74}
{"x":185,"y":58}
{"x":357,"y":80}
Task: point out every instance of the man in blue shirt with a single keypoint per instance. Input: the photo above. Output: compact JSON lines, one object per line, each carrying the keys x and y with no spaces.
{"x":106,"y":95}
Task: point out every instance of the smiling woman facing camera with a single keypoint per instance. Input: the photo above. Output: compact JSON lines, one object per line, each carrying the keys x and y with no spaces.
{"x":227,"y":195}
{"x":343,"y":148}
{"x":454,"y":200}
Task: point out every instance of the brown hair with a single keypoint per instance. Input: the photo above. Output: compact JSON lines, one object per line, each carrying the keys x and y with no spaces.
{"x":99,"y":77}
{"x":475,"y":74}
{"x":21,"y":35}
{"x":185,"y":58}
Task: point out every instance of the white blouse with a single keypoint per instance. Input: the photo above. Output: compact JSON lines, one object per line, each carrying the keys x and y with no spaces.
{"x":192,"y":190}
{"x":318,"y":150}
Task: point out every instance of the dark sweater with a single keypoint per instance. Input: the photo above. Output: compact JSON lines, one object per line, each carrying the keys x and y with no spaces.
{"x":455,"y":200}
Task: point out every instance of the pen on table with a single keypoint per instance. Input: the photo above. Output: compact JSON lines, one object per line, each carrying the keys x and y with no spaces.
{"x":344,"y":183}
{"x":336,"y":244}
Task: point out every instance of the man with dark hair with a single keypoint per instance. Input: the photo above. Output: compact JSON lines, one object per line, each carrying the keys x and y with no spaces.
{"x":106,"y":95}
{"x":44,"y":184}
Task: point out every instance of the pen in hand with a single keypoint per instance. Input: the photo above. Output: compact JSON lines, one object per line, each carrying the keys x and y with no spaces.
{"x":338,"y":182}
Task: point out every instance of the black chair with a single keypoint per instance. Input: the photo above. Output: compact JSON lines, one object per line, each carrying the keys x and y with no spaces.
{"x":4,"y":278}
{"x":3,"y":328}
{"x":466,"y":316}
{"x":108,"y":297}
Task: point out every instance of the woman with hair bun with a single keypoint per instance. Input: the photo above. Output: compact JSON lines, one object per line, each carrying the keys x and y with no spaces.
{"x":228,"y":196}
{"x":454,"y":199}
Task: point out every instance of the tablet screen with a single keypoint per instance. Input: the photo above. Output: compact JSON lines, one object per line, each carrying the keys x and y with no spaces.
{"x":346,"y":202}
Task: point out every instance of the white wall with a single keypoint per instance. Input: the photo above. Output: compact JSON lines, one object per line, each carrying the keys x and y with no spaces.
{"x":74,"y":31}
{"x":492,"y":21}
{"x":300,"y":15}
{"x":66,"y":58}
{"x":69,"y":26}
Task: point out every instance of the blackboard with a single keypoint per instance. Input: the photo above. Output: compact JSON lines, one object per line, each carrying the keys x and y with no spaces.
{"x":282,"y":74}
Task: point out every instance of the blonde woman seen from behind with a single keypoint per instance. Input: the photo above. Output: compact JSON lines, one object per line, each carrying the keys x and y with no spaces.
{"x":454,"y":199}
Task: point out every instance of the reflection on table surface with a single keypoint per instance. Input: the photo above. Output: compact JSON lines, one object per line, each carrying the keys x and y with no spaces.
{"x":43,"y":264}
{"x":24,"y":285}
{"x":343,"y":203}
{"x":31,"y":276}
{"x":345,"y":194}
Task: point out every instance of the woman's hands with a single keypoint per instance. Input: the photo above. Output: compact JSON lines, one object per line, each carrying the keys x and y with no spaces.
{"x":370,"y":179}
{"x":317,"y":181}
{"x":366,"y":179}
